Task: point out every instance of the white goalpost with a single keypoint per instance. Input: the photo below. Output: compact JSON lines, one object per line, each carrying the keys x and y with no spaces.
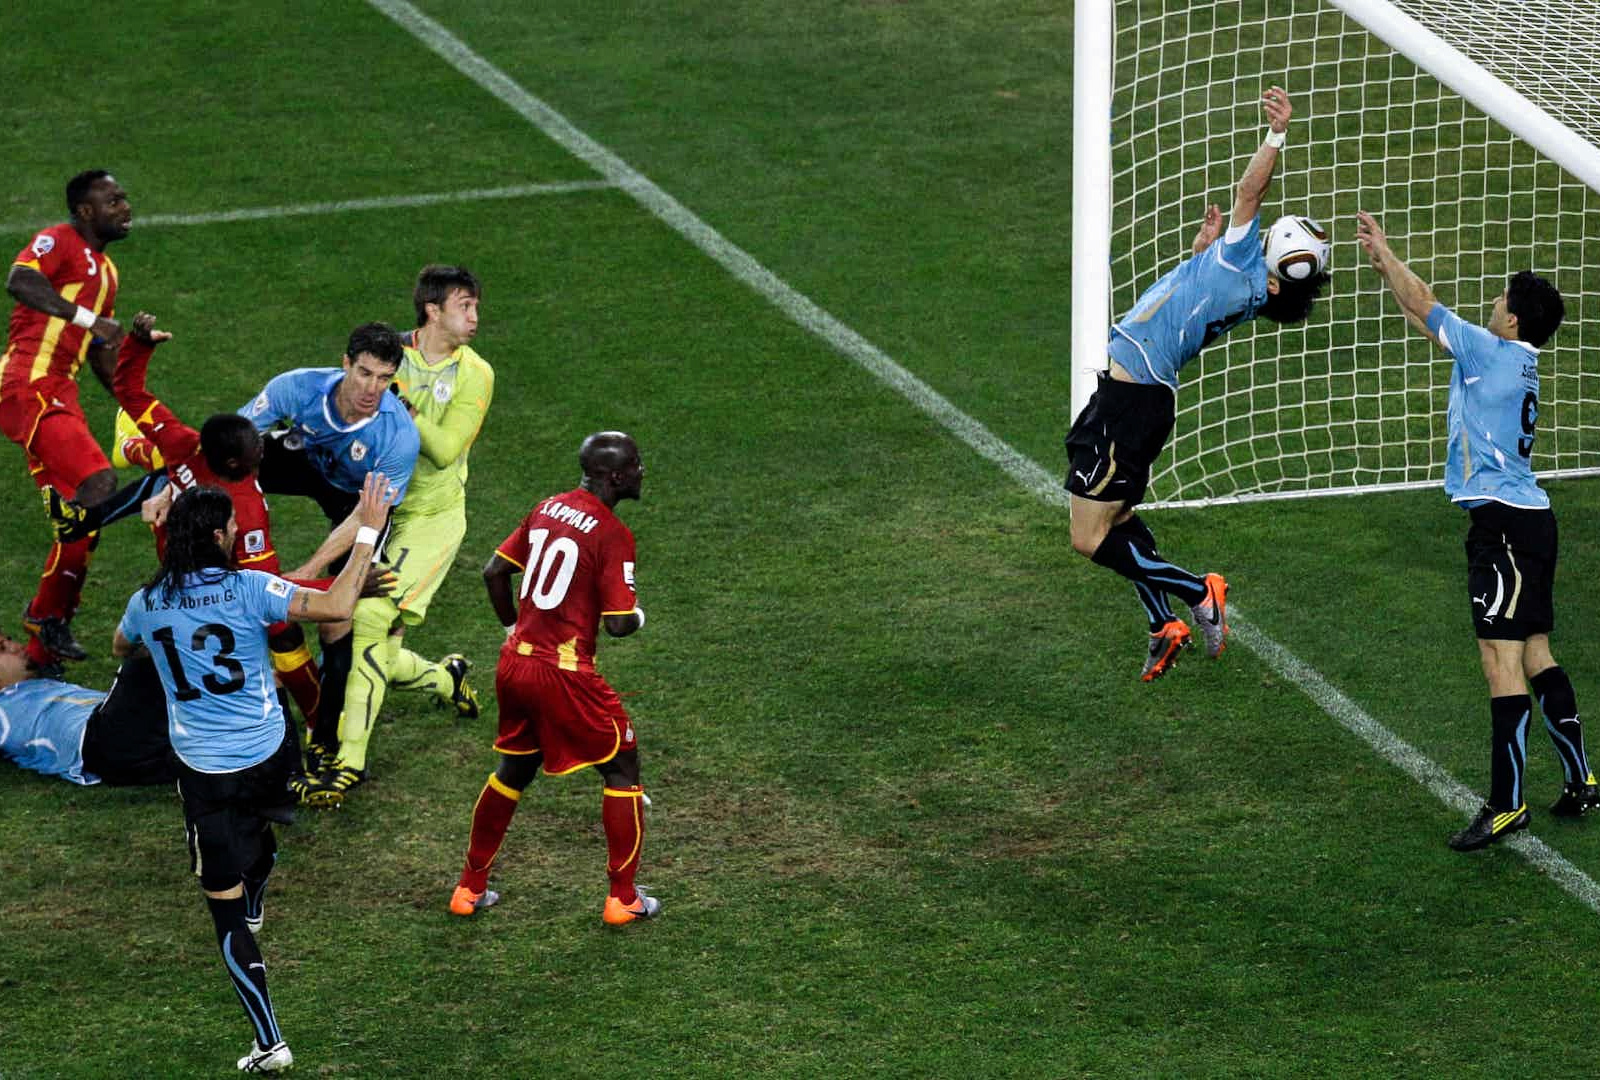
{"x":1471,"y":128}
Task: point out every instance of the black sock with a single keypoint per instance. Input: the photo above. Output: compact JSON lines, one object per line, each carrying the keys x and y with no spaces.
{"x":1130,"y":550}
{"x":1553,"y":690}
{"x":255,"y":875}
{"x":242,"y":960}
{"x":123,"y":502}
{"x":1508,"y":744}
{"x":336,"y":657}
{"x":1157,"y":608}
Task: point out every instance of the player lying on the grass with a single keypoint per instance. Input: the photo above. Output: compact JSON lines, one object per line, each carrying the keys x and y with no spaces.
{"x":576,"y":558}
{"x":328,"y":429}
{"x":225,"y":453}
{"x":1511,"y":544}
{"x":65,"y":288}
{"x":1120,"y":433}
{"x":118,"y":737}
{"x":205,"y":623}
{"x":446,"y":387}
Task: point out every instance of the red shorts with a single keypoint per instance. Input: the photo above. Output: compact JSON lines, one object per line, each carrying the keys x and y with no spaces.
{"x":572,"y":717}
{"x":52,"y":430}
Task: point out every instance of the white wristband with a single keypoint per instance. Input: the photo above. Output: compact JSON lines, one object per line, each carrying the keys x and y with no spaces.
{"x":83,"y":317}
{"x":1276,"y":139}
{"x":639,"y":611}
{"x":367,"y":535}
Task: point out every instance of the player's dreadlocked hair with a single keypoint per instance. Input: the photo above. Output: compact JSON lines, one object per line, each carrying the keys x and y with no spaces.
{"x":192,"y":548}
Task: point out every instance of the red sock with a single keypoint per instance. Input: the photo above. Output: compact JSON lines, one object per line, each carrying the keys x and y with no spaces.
{"x":61,"y":583}
{"x":140,"y":452}
{"x":622,"y":812}
{"x":490,"y":819}
{"x":297,"y":670}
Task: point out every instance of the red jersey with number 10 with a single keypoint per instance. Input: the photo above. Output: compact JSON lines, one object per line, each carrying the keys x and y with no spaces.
{"x":576,"y":558}
{"x":41,"y":345}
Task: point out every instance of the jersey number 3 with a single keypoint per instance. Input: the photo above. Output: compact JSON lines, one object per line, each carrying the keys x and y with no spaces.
{"x":550,"y":569}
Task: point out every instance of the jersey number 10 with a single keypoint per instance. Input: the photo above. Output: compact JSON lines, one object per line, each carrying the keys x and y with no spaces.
{"x":550,"y":569}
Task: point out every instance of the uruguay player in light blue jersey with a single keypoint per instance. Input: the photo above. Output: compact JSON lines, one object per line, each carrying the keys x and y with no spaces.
{"x":82,"y":735}
{"x":205,"y":623}
{"x":1512,"y":543}
{"x":1227,"y":280}
{"x":336,"y":426}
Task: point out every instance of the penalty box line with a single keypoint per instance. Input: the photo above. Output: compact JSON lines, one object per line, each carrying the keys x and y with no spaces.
{"x":1043,"y":484}
{"x":342,"y":206}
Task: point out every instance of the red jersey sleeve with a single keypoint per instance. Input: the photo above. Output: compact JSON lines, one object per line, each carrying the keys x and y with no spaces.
{"x":514,"y":548}
{"x":617,"y":594}
{"x":45,"y":253}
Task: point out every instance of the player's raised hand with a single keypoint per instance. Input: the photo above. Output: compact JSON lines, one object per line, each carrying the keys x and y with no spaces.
{"x":372,"y":510}
{"x":144,"y":329}
{"x":1369,"y":234}
{"x":1276,"y":103}
{"x":1210,"y":228}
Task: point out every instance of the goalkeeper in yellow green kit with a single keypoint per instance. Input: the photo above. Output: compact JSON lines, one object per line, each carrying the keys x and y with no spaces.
{"x":447,"y":388}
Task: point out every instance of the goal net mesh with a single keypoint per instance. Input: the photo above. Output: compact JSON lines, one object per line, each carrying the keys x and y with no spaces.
{"x":1353,"y":399}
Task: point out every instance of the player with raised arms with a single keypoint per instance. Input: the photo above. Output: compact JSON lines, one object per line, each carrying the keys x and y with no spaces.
{"x":205,"y":624}
{"x":65,"y":287}
{"x":1227,"y":280}
{"x":1511,"y":545}
{"x":576,"y":560}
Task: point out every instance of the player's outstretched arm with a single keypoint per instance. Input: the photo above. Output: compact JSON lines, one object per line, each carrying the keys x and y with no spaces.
{"x":1413,"y":295}
{"x":1210,"y":229}
{"x":339,"y":602}
{"x":1258,"y":174}
{"x":31,"y":288}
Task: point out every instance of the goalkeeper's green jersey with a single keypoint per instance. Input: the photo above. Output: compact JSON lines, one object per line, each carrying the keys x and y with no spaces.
{"x":451,"y":399}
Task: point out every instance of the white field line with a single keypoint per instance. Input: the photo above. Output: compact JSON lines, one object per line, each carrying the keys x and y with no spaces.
{"x":1046,"y":485}
{"x":264,"y":213}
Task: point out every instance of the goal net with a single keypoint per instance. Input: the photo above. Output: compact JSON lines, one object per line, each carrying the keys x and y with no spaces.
{"x":1471,"y":183}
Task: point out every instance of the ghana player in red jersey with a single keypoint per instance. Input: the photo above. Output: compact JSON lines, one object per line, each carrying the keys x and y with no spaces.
{"x":225,"y":453}
{"x":576,"y":560}
{"x":65,"y":287}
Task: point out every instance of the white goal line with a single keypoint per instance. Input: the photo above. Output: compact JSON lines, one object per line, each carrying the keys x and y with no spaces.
{"x":1043,"y":483}
{"x":342,"y":206}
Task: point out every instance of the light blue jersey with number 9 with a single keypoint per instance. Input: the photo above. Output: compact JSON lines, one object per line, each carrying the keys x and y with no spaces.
{"x":209,"y":641}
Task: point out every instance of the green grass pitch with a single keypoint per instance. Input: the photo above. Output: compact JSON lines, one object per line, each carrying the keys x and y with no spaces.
{"x":914,"y":814}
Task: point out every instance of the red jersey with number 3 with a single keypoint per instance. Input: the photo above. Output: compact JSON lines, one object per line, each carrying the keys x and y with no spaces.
{"x":576,"y":558}
{"x":41,"y":345}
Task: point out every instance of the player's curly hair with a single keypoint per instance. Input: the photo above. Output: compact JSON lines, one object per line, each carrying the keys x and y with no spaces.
{"x":1292,"y":302}
{"x":1538,"y":306}
{"x":192,"y":548}
{"x":78,"y":188}
{"x":436,"y":282}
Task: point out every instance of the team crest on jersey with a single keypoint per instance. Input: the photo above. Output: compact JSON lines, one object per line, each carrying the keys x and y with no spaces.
{"x":43,"y":245}
{"x":442,"y":392}
{"x":358,"y":450}
{"x":255,"y":542}
{"x":279,"y":587}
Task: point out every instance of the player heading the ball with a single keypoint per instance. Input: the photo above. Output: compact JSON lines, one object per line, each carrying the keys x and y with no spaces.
{"x":1230,"y":277}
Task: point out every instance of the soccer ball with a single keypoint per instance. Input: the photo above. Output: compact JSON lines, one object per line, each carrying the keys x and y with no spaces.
{"x":1297,"y":248}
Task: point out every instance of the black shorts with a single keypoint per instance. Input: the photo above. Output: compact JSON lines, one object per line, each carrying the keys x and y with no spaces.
{"x":1116,"y":439}
{"x":286,"y":469}
{"x":227,"y":815}
{"x":125,"y":742}
{"x":1511,"y":572}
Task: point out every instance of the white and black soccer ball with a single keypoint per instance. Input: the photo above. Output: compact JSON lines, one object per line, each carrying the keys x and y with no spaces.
{"x":1297,"y":248}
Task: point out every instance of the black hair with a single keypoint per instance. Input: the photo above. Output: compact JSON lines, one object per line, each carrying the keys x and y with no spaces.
{"x":436,"y":282}
{"x":1538,"y":306}
{"x":377,"y":340}
{"x":192,"y":546}
{"x":78,"y":188}
{"x":1292,"y":302}
{"x":228,"y":437}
